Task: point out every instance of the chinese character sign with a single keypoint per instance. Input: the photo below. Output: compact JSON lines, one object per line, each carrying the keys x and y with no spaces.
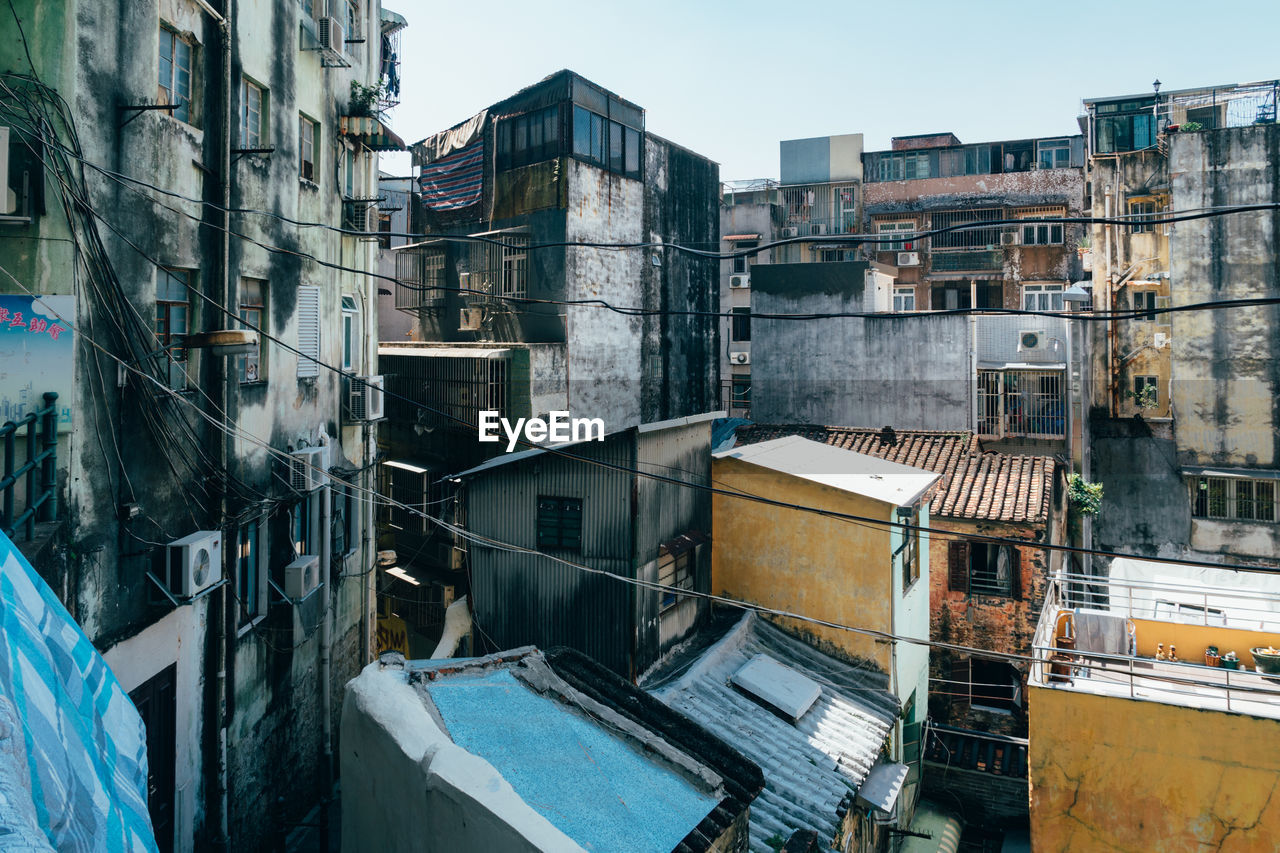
{"x":36,"y":355}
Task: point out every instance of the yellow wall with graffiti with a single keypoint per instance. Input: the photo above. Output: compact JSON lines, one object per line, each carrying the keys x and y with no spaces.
{"x":1109,"y":773}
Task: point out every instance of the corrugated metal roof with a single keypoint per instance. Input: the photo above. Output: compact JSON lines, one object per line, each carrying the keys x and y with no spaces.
{"x":976,"y":484}
{"x":441,"y":352}
{"x":810,"y":766}
{"x":850,"y":471}
{"x":880,"y":789}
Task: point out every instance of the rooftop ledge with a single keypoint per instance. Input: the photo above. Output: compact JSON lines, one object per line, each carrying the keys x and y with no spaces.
{"x":1113,"y":637}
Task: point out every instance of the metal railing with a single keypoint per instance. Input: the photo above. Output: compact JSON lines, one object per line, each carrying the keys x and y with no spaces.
{"x":1232,"y":106}
{"x":1168,"y":601}
{"x":1016,"y":402}
{"x":41,"y":464}
{"x":966,"y":261}
{"x":999,"y":755}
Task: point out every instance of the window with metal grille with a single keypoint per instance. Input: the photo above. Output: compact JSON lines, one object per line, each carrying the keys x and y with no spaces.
{"x":968,"y":238}
{"x":250,"y":577}
{"x":910,"y":549}
{"x":1233,"y":498}
{"x":559,"y":524}
{"x":500,"y":268}
{"x":175,"y":73}
{"x":891,"y":230}
{"x":984,"y":568}
{"x":420,"y":278}
{"x":675,"y":571}
{"x":1021,"y":402}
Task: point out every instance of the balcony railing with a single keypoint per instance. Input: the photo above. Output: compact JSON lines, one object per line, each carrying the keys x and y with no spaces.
{"x":1023,"y":403}
{"x":963,"y":749}
{"x":966,"y":261}
{"x":37,"y":476}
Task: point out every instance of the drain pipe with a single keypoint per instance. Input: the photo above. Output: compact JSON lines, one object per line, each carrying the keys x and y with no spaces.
{"x":326,"y":641}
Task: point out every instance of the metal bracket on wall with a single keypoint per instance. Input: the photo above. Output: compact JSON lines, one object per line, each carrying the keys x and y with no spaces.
{"x":142,"y":108}
{"x":240,"y":152}
{"x":178,"y":602}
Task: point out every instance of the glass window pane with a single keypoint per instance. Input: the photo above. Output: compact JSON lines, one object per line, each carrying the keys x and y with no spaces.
{"x":581,"y":132}
{"x":633,"y":153}
{"x":615,"y":146}
{"x":597,"y":138}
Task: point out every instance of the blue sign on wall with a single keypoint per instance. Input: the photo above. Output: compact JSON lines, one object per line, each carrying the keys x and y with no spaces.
{"x":37,"y":350}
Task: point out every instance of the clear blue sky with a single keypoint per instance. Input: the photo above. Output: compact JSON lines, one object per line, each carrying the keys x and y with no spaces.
{"x":731,"y":79}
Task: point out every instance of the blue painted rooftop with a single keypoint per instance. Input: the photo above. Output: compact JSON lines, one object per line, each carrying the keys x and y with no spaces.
{"x":593,"y":786}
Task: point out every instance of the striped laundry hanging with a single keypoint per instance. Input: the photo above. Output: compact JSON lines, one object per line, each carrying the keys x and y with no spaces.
{"x":455,"y":181}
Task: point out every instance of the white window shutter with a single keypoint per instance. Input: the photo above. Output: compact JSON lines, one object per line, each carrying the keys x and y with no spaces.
{"x":308,"y":330}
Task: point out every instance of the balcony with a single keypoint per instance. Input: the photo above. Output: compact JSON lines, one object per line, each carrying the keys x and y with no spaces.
{"x":1111,"y":636}
{"x":980,"y":261}
{"x":963,"y":749}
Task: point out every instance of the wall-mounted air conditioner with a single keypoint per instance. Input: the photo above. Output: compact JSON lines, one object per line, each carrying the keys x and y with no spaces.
{"x":194,"y":563}
{"x":1008,"y":238}
{"x":329,"y":32}
{"x":364,"y":398}
{"x":469,"y":319}
{"x":908,"y":259}
{"x":1031,"y":340}
{"x":739,"y":280}
{"x":817,"y":229}
{"x":739,"y":358}
{"x":309,"y":468}
{"x":302,"y":577}
{"x":1159,"y":339}
{"x":791,"y":231}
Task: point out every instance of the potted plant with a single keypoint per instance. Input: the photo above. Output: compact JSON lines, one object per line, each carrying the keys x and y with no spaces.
{"x":1211,"y":656}
{"x":1267,"y":660}
{"x":1230,"y":661}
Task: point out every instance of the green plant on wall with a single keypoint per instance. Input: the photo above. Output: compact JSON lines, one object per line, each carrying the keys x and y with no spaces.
{"x":1144,"y":398}
{"x":1084,"y":496}
{"x":364,"y":99}
{"x":1190,"y":127}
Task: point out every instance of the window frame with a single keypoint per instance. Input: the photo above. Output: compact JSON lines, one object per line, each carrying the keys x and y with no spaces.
{"x":556,"y":519}
{"x":883,"y":228}
{"x":308,"y":149}
{"x":304,"y":523}
{"x":681,"y":569}
{"x":740,"y":325}
{"x":1042,"y":233}
{"x":252,"y":568}
{"x":1261,"y":509}
{"x":255,"y":110}
{"x":910,"y":551}
{"x":350,"y":339}
{"x":901,"y":296}
{"x":961,"y":557}
{"x":591,"y":137}
{"x":1142,"y":207}
{"x":1053,"y":147}
{"x":167,"y":92}
{"x":1043,"y":296}
{"x":175,"y":356}
{"x":253,"y":316}
{"x":743,"y":263}
{"x":1144,"y":301}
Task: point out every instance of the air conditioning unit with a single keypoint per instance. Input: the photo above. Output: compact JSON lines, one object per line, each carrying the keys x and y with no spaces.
{"x":302,"y":577}
{"x":908,"y":259}
{"x":194,"y":563}
{"x":1008,"y":238}
{"x":817,"y":229}
{"x":309,"y":468}
{"x":329,"y":31}
{"x":739,"y":358}
{"x":1159,"y":339}
{"x":469,"y":319}
{"x":1030,"y":340}
{"x":365,"y":398}
{"x":740,"y":280}
{"x":791,"y":231}
{"x":355,"y":215}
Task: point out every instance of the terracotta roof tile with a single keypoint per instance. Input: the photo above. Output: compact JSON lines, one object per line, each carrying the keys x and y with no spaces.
{"x":976,"y":484}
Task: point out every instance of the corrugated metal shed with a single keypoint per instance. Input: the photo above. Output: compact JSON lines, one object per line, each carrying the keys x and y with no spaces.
{"x":809,"y":766}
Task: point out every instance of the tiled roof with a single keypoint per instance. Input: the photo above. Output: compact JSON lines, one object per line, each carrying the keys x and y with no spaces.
{"x":976,"y":484}
{"x":812,"y":766}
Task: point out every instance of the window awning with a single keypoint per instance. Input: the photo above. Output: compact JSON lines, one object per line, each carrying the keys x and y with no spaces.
{"x":1237,"y":473}
{"x":370,"y":132}
{"x":880,"y":789}
{"x":683,"y":542}
{"x":739,"y":238}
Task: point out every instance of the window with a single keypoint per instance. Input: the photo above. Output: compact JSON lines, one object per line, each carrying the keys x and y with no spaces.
{"x":1145,"y":300}
{"x":302,"y":523}
{"x":308,"y":331}
{"x":420,"y":278}
{"x":1124,"y":126}
{"x":987,"y":685}
{"x":350,"y":333}
{"x":1139,"y":213}
{"x":741,"y":330}
{"x":894,"y":229}
{"x":1041,"y":235}
{"x":1042,"y":297}
{"x":740,"y":393}
{"x":253,"y":114}
{"x":559,"y":524}
{"x":173,"y":321}
{"x":675,"y":570}
{"x":608,"y":144}
{"x":348,"y":173}
{"x":740,"y":264}
{"x":352,"y":28}
{"x":529,"y":138}
{"x":502,"y":268}
{"x":253,"y":315}
{"x":903,"y":167}
{"x":1053,"y":153}
{"x":175,"y":73}
{"x":1146,"y":390}
{"x":910,"y":548}
{"x":984,"y":568}
{"x":343,"y":520}
{"x":904,"y":299}
{"x":308,"y":145}
{"x":250,"y":576}
{"x":1240,"y":498}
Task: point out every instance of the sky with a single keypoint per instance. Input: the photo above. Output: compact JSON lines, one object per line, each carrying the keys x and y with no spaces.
{"x":731,"y":79}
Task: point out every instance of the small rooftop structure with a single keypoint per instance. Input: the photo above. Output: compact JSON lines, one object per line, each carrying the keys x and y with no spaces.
{"x":849,"y":471}
{"x":530,"y":750}
{"x":814,"y":762}
{"x":975,"y":484}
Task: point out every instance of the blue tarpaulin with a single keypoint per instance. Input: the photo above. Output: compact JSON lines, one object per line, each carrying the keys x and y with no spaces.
{"x":73,"y":753}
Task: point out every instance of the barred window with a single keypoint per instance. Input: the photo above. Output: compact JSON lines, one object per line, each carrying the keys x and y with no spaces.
{"x":559,"y":523}
{"x":1233,"y":498}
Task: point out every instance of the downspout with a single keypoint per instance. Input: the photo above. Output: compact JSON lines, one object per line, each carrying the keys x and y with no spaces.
{"x":1112,"y":379}
{"x":326,"y":640}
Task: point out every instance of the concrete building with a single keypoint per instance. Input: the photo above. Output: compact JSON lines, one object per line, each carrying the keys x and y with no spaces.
{"x":821,"y":195}
{"x":1132,"y":751}
{"x":1183,"y":415}
{"x":592,"y":504}
{"x":527,"y":750}
{"x":211,"y":536}
{"x":515,"y":314}
{"x":817,"y":726}
{"x":828,"y":568}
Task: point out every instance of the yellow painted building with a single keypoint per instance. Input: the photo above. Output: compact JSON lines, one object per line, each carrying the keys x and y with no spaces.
{"x":1133,"y":753}
{"x":848,"y":573}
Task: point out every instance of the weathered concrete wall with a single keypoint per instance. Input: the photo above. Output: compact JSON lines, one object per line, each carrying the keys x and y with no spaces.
{"x":1226,"y":364}
{"x":408,"y":787}
{"x":912,"y":372}
{"x":740,"y":219}
{"x":984,"y":798}
{"x":1145,"y":509}
{"x":1129,"y":775}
